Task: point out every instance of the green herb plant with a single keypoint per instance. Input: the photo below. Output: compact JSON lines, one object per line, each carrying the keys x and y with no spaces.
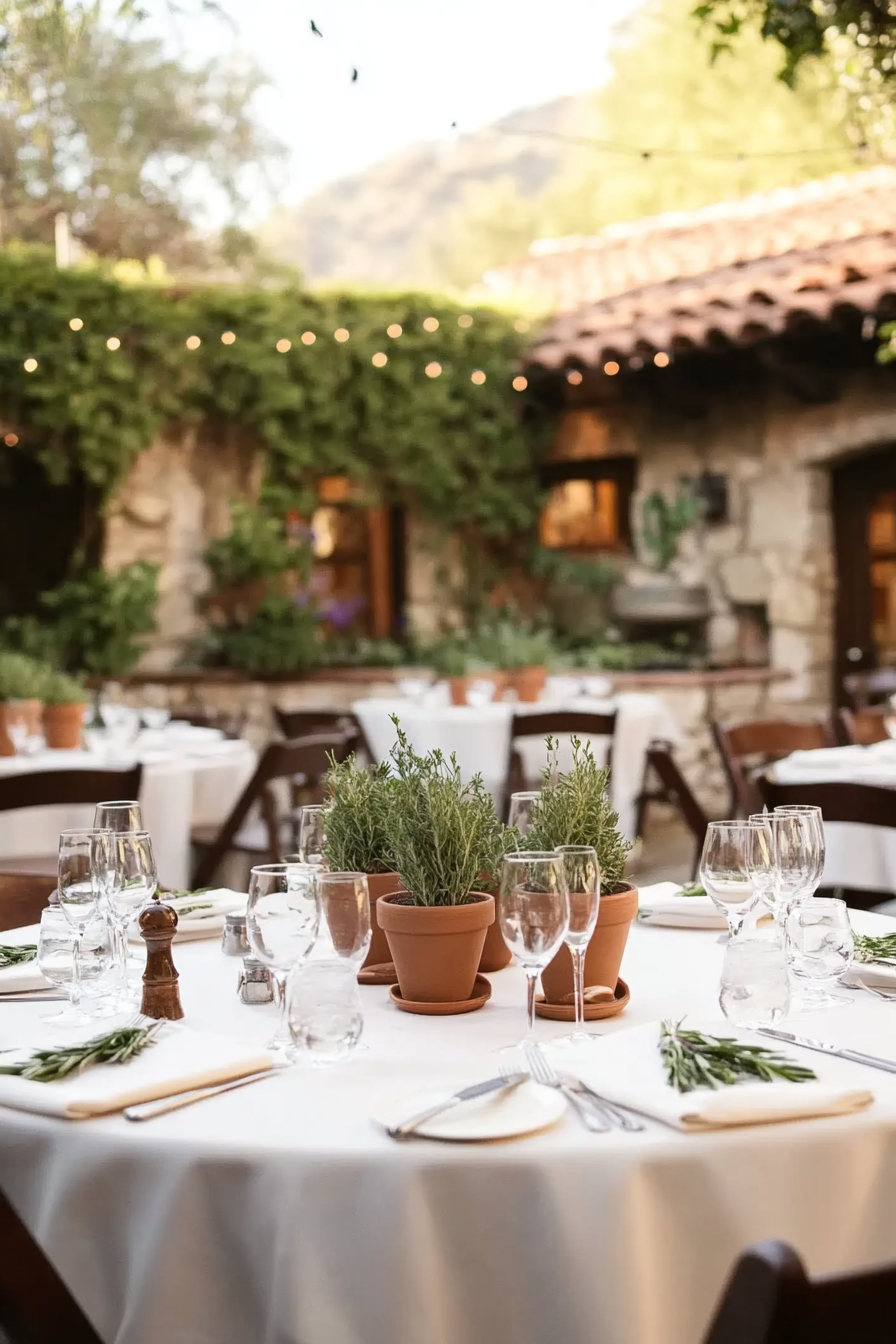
{"x":61,"y":689}
{"x":21,"y":677}
{"x":575,"y":809}
{"x":359,"y":817}
{"x":444,"y":830}
{"x":866,"y":948}
{"x":693,"y":1060}
{"x":52,"y":1066}
{"x":664,"y":521}
{"x":509,"y":643}
{"x":17,"y":955}
{"x":692,"y":889}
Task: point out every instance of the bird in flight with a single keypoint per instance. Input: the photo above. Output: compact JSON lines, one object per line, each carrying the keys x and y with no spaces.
{"x":315,"y":29}
{"x":354,"y":75}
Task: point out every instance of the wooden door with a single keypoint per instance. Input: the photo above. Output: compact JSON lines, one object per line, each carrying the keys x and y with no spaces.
{"x":864,"y":495}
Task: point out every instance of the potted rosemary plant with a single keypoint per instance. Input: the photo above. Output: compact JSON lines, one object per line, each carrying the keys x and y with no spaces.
{"x":575,"y":809}
{"x":452,"y":658}
{"x":359,"y":836}
{"x":65,"y":700}
{"x":441,"y":828}
{"x":521,"y":651}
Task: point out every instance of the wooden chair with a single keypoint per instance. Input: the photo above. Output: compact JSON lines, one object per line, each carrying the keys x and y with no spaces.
{"x":862,"y":727}
{"x":300,"y":722}
{"x":307,"y":757}
{"x":748,"y":748}
{"x":671,"y":787}
{"x":552,"y":723}
{"x":231,"y":725}
{"x":770,"y":1299}
{"x":23,"y":896}
{"x":53,"y":788}
{"x":36,"y":1307}
{"x":859,"y":804}
{"x":869,"y":688}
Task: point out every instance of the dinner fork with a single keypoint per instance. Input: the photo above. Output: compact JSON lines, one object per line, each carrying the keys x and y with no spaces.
{"x":888,"y":995}
{"x":543,"y":1072}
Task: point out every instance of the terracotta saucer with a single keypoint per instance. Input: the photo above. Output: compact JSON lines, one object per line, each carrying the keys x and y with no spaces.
{"x":482,"y":992}
{"x":381,"y":974}
{"x":566,"y":1012}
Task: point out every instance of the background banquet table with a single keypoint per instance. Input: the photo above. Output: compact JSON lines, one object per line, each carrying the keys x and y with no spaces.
{"x":863,"y":857}
{"x":281,"y":1214}
{"x":481,"y":738}
{"x":188,"y":780}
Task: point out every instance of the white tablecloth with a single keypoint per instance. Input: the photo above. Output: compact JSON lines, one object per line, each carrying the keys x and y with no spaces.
{"x":481,"y":738}
{"x":179,"y":790}
{"x":862,"y":857}
{"x":280,"y":1214}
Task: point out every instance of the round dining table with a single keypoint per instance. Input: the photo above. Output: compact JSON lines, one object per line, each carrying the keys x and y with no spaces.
{"x":190,"y":778}
{"x":282,"y":1213}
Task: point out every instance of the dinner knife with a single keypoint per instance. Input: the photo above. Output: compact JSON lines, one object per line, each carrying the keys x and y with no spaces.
{"x":807,"y":1043}
{"x":406,"y":1127}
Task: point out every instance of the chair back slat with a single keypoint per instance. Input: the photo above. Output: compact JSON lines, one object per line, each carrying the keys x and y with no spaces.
{"x":52,"y":788}
{"x":839,"y":800}
{"x":862,"y":727}
{"x":770,"y":1299}
{"x":23,"y":896}
{"x":294,"y":723}
{"x":747,"y":748}
{"x":36,"y":1307}
{"x":552,"y":723}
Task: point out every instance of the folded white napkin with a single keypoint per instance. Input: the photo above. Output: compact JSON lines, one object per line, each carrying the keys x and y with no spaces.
{"x":179,"y":1060}
{"x":206,"y":923}
{"x":626,"y":1068}
{"x":23,"y":978}
{"x":879,"y":973}
{"x":827,"y":761}
{"x":662,"y":903}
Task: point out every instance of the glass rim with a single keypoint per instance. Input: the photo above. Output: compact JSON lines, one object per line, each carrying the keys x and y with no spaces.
{"x":576,"y":849}
{"x":268,"y":868}
{"x":526,"y":793}
{"x":796,"y":807}
{"x":312,"y":807}
{"x":530,"y":855}
{"x":119,"y":802}
{"x":736,"y":822}
{"x":88,"y":830}
{"x":815,"y":901}
{"x":338,"y":877}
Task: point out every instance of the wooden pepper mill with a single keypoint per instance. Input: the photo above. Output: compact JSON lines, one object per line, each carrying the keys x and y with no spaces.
{"x":161,"y":996}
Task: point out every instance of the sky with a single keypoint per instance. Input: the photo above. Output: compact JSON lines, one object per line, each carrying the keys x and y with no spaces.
{"x":422,"y":64}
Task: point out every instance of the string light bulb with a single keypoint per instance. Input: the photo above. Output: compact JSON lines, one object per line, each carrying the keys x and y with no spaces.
{"x":193,"y":342}
{"x":227,"y":337}
{"x":661,"y":359}
{"x":11,"y":440}
{"x":308,"y":338}
{"x":30,"y":365}
{"x":465,"y":320}
{"x":113,"y":343}
{"x":341,"y":334}
{"x":574,"y":376}
{"x":379,"y":360}
{"x":283,"y":345}
{"x":521,"y":324}
{"x":433,"y":370}
{"x":520,"y":383}
{"x":477,"y":377}
{"x":611,"y":368}
{"x":430,"y":324}
{"x":394,"y":330}
{"x":76,"y":324}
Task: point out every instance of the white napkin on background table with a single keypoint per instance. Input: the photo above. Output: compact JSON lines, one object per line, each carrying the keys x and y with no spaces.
{"x":204,"y":923}
{"x":663,"y":904}
{"x":25,"y":977}
{"x":180,"y":1059}
{"x":626,"y":1068}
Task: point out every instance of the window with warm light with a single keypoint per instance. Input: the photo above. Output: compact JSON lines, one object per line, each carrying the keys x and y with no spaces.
{"x":587,"y":506}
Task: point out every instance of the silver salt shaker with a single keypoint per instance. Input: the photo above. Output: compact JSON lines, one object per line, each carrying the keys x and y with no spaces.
{"x":255,"y":982}
{"x":234,"y":942}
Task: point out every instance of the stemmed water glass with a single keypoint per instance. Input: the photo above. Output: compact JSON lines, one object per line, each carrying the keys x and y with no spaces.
{"x":735,"y":868}
{"x":345,"y":905}
{"x":282,"y":922}
{"x":522,"y":810}
{"x":137,"y":881}
{"x":533,"y":911}
{"x":85,"y":857}
{"x":119,"y":815}
{"x":313,"y":834}
{"x":582,"y":873}
{"x":813,"y":812}
{"x":797,"y":839}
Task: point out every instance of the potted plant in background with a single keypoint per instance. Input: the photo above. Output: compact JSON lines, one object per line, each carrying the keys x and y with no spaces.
{"x":359,"y":836}
{"x":452,"y":657}
{"x":65,"y":700}
{"x":441,"y":829}
{"x":21,"y":683}
{"x":656,"y":593}
{"x":575,"y":809}
{"x":521,"y":651}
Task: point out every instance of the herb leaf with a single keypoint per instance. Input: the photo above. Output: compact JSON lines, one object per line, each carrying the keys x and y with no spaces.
{"x":117,"y":1047}
{"x":866,"y":948}
{"x":693,"y":1060}
{"x":17,"y":956}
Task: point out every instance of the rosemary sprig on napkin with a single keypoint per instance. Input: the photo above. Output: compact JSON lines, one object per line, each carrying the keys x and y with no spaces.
{"x":117,"y":1047}
{"x":693,"y":1060}
{"x":191,"y":909}
{"x":692,"y":889}
{"x":17,"y":956}
{"x":873,"y":949}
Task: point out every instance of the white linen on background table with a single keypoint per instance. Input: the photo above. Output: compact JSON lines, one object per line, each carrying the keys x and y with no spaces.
{"x":179,"y":790}
{"x":281,"y":1214}
{"x":863,"y":857}
{"x":480,"y":737}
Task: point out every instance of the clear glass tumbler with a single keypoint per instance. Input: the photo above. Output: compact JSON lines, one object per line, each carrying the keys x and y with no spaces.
{"x":755,"y":986}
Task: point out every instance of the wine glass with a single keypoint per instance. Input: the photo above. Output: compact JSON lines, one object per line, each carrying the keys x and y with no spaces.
{"x":282,"y":922}
{"x":533,"y":910}
{"x":137,"y":879}
{"x":765,"y":877}
{"x":582,"y":872}
{"x":119,"y":815}
{"x":735,"y":868}
{"x":819,"y":946}
{"x":17,"y":720}
{"x":345,"y":905}
{"x":55,"y":954}
{"x":312,"y":834}
{"x":812,"y":811}
{"x":84,"y":859}
{"x":522,"y":810}
{"x":796,"y":838}
{"x":154,"y":710}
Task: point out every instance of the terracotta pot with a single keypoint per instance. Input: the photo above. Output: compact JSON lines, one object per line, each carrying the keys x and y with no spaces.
{"x":380,"y":885}
{"x":528,"y":682}
{"x":436,"y":949}
{"x":6,"y":746}
{"x":459,"y":687}
{"x":605,"y":950}
{"x":495,"y":953}
{"x":62,"y":726}
{"x":32,"y":711}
